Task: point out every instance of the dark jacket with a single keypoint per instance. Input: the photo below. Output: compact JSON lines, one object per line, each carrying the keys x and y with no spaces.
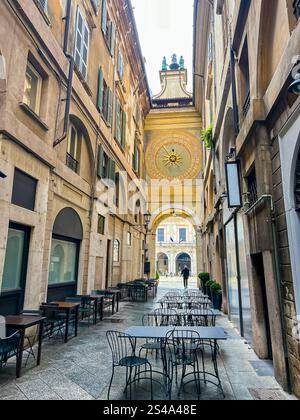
{"x":185,"y":273}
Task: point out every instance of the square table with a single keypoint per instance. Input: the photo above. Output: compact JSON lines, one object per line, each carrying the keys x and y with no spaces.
{"x":22,"y":323}
{"x":68,"y":307}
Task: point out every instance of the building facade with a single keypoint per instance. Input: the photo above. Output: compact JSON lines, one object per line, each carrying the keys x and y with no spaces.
{"x":245,"y":60}
{"x":176,"y":247}
{"x":73,"y":101}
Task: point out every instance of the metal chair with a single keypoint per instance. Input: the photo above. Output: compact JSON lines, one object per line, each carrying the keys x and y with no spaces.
{"x":30,"y":340}
{"x":165,"y":317}
{"x":55,"y":321}
{"x":149,"y":320}
{"x":202,"y":317}
{"x":183,"y":349}
{"x":123,"y":355}
{"x":9,"y":347}
{"x":86,"y":309}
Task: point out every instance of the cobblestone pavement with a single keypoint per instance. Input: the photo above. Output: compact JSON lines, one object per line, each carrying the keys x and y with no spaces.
{"x":81,"y":369}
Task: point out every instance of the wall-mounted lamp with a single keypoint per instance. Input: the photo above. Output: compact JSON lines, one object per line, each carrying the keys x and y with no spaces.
{"x":2,"y":175}
{"x":234,"y":192}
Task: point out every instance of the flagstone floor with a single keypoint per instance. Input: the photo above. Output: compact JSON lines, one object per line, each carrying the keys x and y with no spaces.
{"x":81,"y":369}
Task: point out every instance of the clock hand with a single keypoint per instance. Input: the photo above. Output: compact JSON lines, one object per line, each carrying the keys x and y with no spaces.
{"x":167,"y":150}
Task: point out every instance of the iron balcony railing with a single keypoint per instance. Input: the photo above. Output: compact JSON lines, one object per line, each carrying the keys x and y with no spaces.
{"x":72,"y":163}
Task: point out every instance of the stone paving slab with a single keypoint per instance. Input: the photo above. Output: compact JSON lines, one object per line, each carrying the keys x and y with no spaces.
{"x":81,"y":369}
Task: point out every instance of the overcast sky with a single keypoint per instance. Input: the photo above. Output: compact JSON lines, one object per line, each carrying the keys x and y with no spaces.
{"x":165,"y":27}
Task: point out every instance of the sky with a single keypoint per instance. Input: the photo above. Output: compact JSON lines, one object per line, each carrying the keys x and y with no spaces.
{"x":165,"y":27}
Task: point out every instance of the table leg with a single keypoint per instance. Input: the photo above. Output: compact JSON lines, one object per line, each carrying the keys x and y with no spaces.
{"x":20,"y":355}
{"x":41,"y":330}
{"x":67,"y":325}
{"x":113,"y":305}
{"x":101,"y":309}
{"x":76,"y":320}
{"x":118,"y":301}
{"x":96,"y":311}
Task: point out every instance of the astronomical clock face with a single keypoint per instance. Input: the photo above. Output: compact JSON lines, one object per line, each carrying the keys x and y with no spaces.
{"x":174,"y":157}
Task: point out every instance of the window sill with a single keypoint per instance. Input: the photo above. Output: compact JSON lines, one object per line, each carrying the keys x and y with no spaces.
{"x":43,"y":13}
{"x":33,"y":115}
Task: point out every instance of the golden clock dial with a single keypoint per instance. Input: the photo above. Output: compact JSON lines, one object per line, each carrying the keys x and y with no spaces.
{"x":174,"y":156}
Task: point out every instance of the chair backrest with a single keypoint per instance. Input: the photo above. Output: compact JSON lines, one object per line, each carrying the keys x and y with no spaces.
{"x":149,"y":320}
{"x":121,"y":346}
{"x":202,"y":317}
{"x":182,"y":344}
{"x":49,"y":310}
{"x":165,"y":317}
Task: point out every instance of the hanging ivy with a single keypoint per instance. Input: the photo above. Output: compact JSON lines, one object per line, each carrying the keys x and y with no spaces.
{"x":207,"y":137}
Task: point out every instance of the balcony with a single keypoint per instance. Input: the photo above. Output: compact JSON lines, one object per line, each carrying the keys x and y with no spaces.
{"x":72,"y":163}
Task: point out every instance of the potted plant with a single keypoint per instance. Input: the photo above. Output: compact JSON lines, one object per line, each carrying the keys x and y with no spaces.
{"x":157,"y":275}
{"x":208,"y":285}
{"x":216,"y":295}
{"x":204,"y":277}
{"x":207,"y":137}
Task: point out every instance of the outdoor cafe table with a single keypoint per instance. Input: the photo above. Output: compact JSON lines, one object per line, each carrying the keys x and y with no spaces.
{"x":22,"y":323}
{"x":68,"y":308}
{"x":206,"y":334}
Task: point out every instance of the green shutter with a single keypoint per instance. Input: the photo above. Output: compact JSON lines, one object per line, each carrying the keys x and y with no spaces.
{"x":109,"y":107}
{"x":118,"y":121}
{"x":112,"y":38}
{"x":100,"y":91}
{"x":112,"y":170}
{"x":100,"y":161}
{"x":123,"y":140}
{"x":104,"y":16}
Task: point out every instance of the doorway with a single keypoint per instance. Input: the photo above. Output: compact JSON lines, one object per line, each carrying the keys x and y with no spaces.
{"x":261,"y":295}
{"x":182,"y":261}
{"x":15,"y":270}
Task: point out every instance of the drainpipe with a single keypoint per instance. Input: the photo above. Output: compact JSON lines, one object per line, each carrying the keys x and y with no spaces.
{"x":236,"y":123}
{"x":70,"y":57}
{"x":278,"y":280}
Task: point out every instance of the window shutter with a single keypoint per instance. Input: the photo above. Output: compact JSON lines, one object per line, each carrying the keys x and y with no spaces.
{"x":118,"y":121}
{"x":109,"y":107}
{"x":85,"y":51}
{"x":100,"y":91}
{"x":112,"y":170}
{"x":104,"y":16}
{"x":78,"y":41}
{"x":95,"y":4}
{"x":135,"y":156}
{"x":121,"y":66}
{"x":100,"y":161}
{"x":123,"y":141}
{"x":112,"y":38}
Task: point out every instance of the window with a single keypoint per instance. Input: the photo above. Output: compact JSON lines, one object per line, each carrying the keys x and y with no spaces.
{"x":252,"y":187}
{"x":116,"y":251}
{"x":82,"y":45}
{"x":160,"y":235}
{"x":120,"y":124}
{"x":12,"y":274}
{"x":104,"y":101}
{"x":245,"y":80}
{"x":297,"y":184}
{"x":63,"y":262}
{"x":210,"y":48}
{"x":182,"y":235}
{"x":121,"y":69}
{"x":73,"y":152}
{"x":101,"y":225}
{"x":108,"y":28}
{"x":136,"y":159}
{"x":106,"y":167}
{"x":32,"y":88}
{"x":129,"y":238}
{"x":24,"y":190}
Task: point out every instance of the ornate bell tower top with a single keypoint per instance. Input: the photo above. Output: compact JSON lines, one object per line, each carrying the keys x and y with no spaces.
{"x":173,"y":78}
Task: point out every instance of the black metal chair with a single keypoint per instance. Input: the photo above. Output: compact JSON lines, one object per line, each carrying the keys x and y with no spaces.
{"x":183,"y":350}
{"x":108,"y":300}
{"x":202,"y":318}
{"x":55,"y":322}
{"x":9,"y":348}
{"x":123,"y":355}
{"x":87,"y":307}
{"x":165,"y":317}
{"x":149,"y":320}
{"x":30,"y":340}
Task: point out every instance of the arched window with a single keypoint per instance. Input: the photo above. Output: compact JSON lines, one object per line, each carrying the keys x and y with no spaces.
{"x":297,"y":184}
{"x":116,"y":251}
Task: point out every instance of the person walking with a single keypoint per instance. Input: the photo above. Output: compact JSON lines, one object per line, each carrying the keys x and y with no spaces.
{"x":186,"y":275}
